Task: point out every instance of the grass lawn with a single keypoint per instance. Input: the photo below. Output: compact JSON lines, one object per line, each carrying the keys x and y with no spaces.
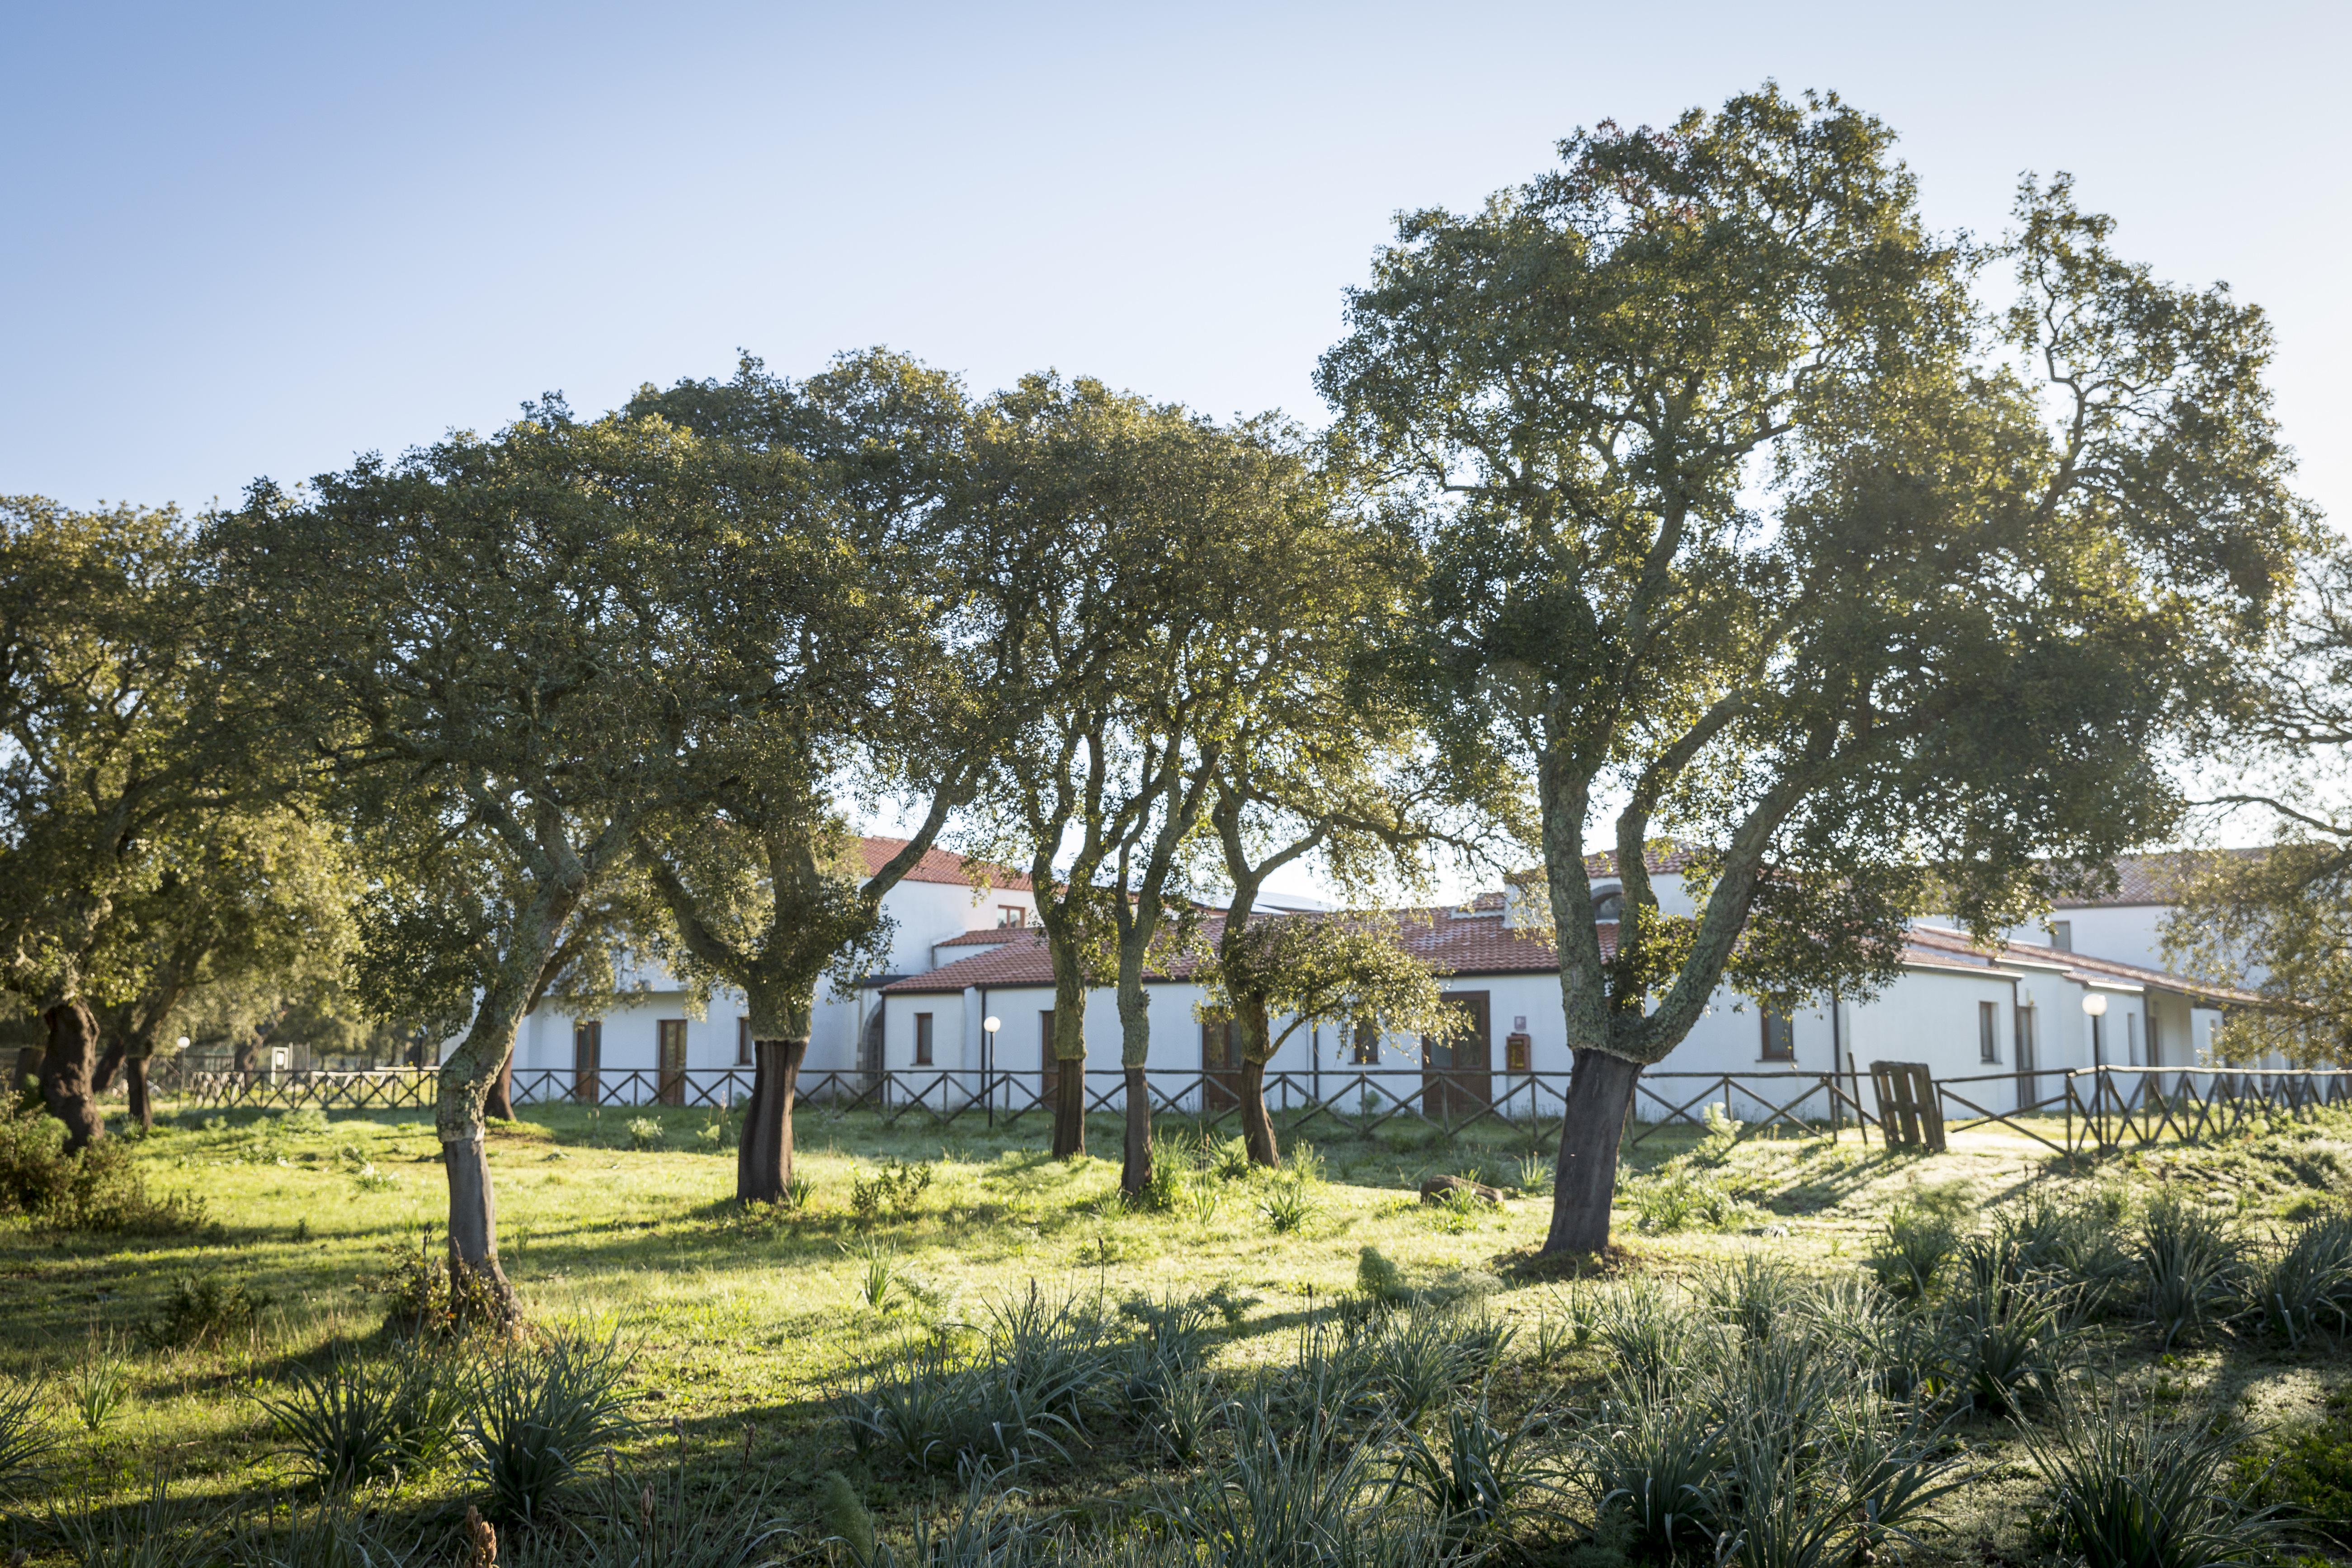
{"x":743,"y":1329}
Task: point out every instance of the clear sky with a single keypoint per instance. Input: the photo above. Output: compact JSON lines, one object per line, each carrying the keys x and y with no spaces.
{"x":237,"y":240}
{"x":242,"y":240}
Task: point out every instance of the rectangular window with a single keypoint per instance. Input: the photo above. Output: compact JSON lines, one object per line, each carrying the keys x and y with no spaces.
{"x":1988,"y":1031}
{"x":1368,"y":1043}
{"x":2062,"y":935}
{"x":1780,"y":1038}
{"x":669,"y":1036}
{"x":1013,"y":915}
{"x":587,"y":1058}
{"x":743,"y":1042}
{"x":922,"y":1039}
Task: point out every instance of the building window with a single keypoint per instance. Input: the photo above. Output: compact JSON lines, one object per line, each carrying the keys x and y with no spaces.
{"x":1780,"y":1038}
{"x":1011,"y":915}
{"x":743,"y":1042}
{"x":922,"y":1039}
{"x":2062,"y":935}
{"x":1610,"y":905}
{"x":1988,"y":1032}
{"x":1367,"y":1049}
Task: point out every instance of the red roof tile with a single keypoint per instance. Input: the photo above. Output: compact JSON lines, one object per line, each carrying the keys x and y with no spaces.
{"x":1934,"y":944}
{"x":2149,"y":879}
{"x":1451,"y":942}
{"x":943,"y":866}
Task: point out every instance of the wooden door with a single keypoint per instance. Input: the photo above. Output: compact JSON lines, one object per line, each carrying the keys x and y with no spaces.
{"x":587,"y":1061}
{"x":1456,"y":1072}
{"x":1221,"y":1068}
{"x":670,"y":1068}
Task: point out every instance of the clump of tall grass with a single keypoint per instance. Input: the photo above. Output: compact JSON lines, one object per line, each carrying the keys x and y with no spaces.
{"x":2193,"y":1268}
{"x":1751,"y":1295}
{"x":1907,"y":1257}
{"x":2307,"y":1285}
{"x":1483,"y":1478}
{"x":2119,"y":1492}
{"x":538,"y":1413}
{"x":25,"y":1438}
{"x":1643,"y":1331}
{"x":357,"y":1421}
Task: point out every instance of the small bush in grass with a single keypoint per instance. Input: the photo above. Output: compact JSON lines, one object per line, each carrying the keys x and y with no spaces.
{"x":1171,"y":1175}
{"x":420,"y":1295}
{"x":1751,"y":1295}
{"x":205,"y":1309}
{"x":645,"y":1132}
{"x":153,"y":1532}
{"x":361,"y":1421}
{"x":1643,"y":1333}
{"x":2121,"y":1492}
{"x":2307,"y":1287}
{"x":538,"y":1413}
{"x":1650,"y":1466}
{"x":797,"y":1192}
{"x":1676,"y":1198}
{"x":897,"y":1187}
{"x":1534,"y":1171}
{"x":1379,"y":1278}
{"x":99,"y":1387}
{"x":1228,"y":1161}
{"x":1909,"y":1257}
{"x":2005,"y":1347}
{"x":1287,"y":1205}
{"x":100,"y":1189}
{"x":2193,"y":1270}
{"x":1485,"y":1477}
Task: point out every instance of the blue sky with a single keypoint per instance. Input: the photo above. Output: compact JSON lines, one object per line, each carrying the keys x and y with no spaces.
{"x":240,"y":240}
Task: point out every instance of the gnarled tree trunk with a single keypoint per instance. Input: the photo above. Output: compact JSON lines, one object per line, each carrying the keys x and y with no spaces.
{"x":1069,"y":1047}
{"x":66,"y":1073}
{"x":1257,"y":1049}
{"x":103,"y":1078}
{"x":499,"y":1103}
{"x":1600,"y":1094}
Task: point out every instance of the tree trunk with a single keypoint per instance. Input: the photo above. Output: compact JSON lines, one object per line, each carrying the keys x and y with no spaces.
{"x":103,"y":1078}
{"x":1600,"y":1093}
{"x":1135,"y":1166}
{"x":500,"y":1101}
{"x":134,"y":1082}
{"x":65,"y":1074}
{"x":475,"y":1277}
{"x":763,"y":1160}
{"x":1070,"y":1108}
{"x":1257,"y":1126}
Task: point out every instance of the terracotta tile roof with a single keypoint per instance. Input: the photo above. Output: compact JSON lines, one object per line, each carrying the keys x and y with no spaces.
{"x":943,"y":866}
{"x":1659,"y":862}
{"x":990,"y":936}
{"x":1449,"y":940}
{"x":2149,"y":879}
{"x":1940,"y":947}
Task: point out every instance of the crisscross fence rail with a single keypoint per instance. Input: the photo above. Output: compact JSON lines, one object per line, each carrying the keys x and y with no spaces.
{"x":1357,"y":1101}
{"x":2102,"y":1110}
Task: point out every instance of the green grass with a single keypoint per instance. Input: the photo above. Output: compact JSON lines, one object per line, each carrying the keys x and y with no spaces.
{"x":743,"y":1327}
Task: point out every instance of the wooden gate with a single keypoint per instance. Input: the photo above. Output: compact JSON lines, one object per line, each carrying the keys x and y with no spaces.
{"x":1910,"y":1111}
{"x":669,"y":1084}
{"x":1221,"y":1068}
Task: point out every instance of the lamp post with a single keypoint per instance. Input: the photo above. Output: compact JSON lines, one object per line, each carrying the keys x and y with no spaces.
{"x":988,"y":1027}
{"x":2097,"y":1006}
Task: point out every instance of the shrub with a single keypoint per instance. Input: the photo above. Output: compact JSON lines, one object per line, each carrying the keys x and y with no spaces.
{"x":1645,"y":1335}
{"x":1910,"y":1254}
{"x":2076,"y":1246}
{"x":2309,"y":1285}
{"x":1228,"y":1161}
{"x":2193,"y":1270}
{"x":1486,"y":1476}
{"x":358,"y":1421}
{"x":1650,"y":1465}
{"x":1534,"y":1171}
{"x":1171,"y":1175}
{"x":1751,"y":1295}
{"x":1287,"y":1205}
{"x":99,"y":1387}
{"x":2119,"y":1492}
{"x":100,"y":1189}
{"x":538,"y":1413}
{"x":897,"y":1187}
{"x":205,"y":1309}
{"x":422,"y":1298}
{"x":2004,"y":1346}
{"x":1675,"y":1198}
{"x":645,"y":1132}
{"x":1379,"y":1278}
{"x":1421,"y":1359}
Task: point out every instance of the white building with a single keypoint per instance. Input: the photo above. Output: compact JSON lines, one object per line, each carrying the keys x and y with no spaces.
{"x":964,"y":955}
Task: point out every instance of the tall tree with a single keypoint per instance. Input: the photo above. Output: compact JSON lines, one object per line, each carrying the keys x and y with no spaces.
{"x":120,"y":736}
{"x":241,"y":898}
{"x":508,"y":647}
{"x":885,"y":685}
{"x":1745,"y":523}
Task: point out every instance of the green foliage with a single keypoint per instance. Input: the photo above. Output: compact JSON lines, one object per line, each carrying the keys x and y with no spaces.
{"x":897,"y":1187}
{"x":536,"y":1414}
{"x":1381,"y":1280}
{"x":1287,"y":1203}
{"x":100,"y":1385}
{"x":1909,"y":1257}
{"x":26,"y":1435}
{"x":99,"y":1190}
{"x":421,"y":1296}
{"x":2305,"y":1471}
{"x":1486,"y":1476}
{"x":845,"y":1519}
{"x":645,"y":1132}
{"x":357,"y":1421}
{"x":2193,"y":1268}
{"x":2122,"y":1492}
{"x":1676,"y":1197}
{"x":2307,"y":1285}
{"x":205,"y":1309}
